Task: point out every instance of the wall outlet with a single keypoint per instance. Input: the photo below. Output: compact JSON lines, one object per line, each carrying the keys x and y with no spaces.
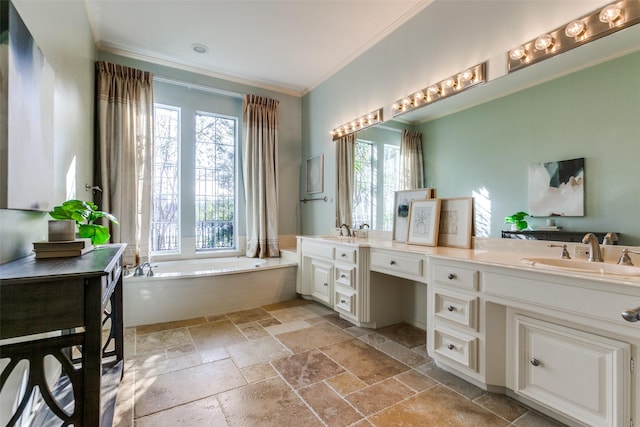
{"x":581,"y":252}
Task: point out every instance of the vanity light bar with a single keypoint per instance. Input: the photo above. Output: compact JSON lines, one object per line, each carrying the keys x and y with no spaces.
{"x":599,"y":23}
{"x":355,"y":125}
{"x":443,"y":89}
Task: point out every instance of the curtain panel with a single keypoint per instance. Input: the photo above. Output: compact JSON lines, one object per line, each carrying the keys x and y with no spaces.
{"x":411,"y":165}
{"x":345,"y":158}
{"x":260,"y":167}
{"x":124,"y":143}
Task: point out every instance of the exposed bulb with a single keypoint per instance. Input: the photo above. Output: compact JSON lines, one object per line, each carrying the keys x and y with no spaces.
{"x":517,"y":53}
{"x":433,"y":90}
{"x":449,"y":83}
{"x":418,"y":96}
{"x":574,"y":28}
{"x":610,"y":13}
{"x":466,"y":76}
{"x":544,"y":42}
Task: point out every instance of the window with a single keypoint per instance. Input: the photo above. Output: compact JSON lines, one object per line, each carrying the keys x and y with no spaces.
{"x":376,"y":178}
{"x":215,"y":181}
{"x":165,"y":197}
{"x":206,"y":148}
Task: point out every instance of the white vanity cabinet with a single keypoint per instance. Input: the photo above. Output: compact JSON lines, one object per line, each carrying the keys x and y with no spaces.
{"x":569,"y":352}
{"x":453,"y":333}
{"x":569,"y":370}
{"x":330,"y":274}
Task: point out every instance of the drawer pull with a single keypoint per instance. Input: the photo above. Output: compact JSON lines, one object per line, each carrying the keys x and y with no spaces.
{"x":343,"y":276}
{"x":631,"y":314}
{"x":451,"y":276}
{"x":343,"y":255}
{"x":534,"y":361}
{"x":325,"y":284}
{"x":343,"y":301}
{"x":451,"y":346}
{"x":450,"y":308}
{"x":392,"y":262}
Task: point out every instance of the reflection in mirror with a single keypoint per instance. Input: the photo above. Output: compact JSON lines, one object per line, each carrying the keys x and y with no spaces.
{"x":377,"y":175}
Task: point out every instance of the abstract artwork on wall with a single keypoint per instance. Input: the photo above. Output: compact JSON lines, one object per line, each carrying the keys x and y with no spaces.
{"x":557,"y":188}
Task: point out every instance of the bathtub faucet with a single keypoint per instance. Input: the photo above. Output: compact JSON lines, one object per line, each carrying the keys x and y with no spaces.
{"x":140,"y":270}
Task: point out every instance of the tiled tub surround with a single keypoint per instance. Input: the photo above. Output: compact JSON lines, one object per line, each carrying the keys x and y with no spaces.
{"x":297,"y":364}
{"x":554,"y":339}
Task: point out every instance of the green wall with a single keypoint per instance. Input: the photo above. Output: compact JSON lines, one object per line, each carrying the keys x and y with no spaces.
{"x":594,"y":113}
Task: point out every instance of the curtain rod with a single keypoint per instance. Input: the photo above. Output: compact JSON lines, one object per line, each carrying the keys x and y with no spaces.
{"x":197,"y":87}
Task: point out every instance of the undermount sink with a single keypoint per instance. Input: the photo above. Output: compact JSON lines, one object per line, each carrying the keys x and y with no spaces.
{"x":582,"y":266}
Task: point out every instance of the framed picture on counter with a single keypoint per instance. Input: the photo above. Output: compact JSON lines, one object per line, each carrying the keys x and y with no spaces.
{"x":424,"y":221}
{"x":402,"y":200}
{"x":455,"y":222}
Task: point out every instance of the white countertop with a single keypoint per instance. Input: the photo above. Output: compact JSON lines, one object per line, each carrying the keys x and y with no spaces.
{"x":503,"y":253}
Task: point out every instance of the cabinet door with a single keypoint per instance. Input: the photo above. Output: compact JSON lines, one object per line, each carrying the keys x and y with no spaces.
{"x":579,"y":374}
{"x":322,"y":278}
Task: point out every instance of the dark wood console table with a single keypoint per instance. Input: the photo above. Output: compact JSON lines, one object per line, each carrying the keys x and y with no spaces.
{"x":559,"y":236}
{"x":77,"y":303}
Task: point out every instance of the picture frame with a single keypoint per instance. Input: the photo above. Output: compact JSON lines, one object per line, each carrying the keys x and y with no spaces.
{"x":424,"y":221}
{"x":402,"y":200}
{"x":315,"y":174}
{"x":456,"y":222}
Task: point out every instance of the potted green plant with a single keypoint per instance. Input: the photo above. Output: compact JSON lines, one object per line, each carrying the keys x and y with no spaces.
{"x":85,"y":214}
{"x":517,"y":220}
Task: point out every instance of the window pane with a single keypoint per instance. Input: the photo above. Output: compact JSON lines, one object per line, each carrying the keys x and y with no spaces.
{"x":165,"y":195}
{"x":391,"y":183}
{"x":215,"y":181}
{"x":365,"y":185}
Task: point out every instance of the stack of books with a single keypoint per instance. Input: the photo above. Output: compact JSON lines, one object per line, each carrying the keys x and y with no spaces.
{"x":62,"y":249}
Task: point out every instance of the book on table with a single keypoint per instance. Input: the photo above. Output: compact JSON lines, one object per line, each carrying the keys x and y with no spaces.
{"x":67,"y":248}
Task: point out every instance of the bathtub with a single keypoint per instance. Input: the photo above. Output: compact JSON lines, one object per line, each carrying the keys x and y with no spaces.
{"x":193,"y":288}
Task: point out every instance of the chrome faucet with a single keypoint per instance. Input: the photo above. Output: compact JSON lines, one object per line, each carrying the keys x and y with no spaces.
{"x":140,"y":270}
{"x":594,"y":247}
{"x":342,"y":227}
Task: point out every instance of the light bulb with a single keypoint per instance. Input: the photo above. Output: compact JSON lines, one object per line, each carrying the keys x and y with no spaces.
{"x":609,"y":13}
{"x":406,"y":101}
{"x":418,"y":96}
{"x":449,"y":83}
{"x":544,"y":42}
{"x":433,"y":90}
{"x":574,"y":28}
{"x":517,"y":53}
{"x":466,"y":76}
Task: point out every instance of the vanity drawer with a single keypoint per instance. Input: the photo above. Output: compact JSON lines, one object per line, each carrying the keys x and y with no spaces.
{"x":317,"y":250}
{"x":398,"y":264}
{"x":346,"y":276}
{"x":456,"y":346}
{"x":455,"y":276}
{"x":346,"y":302}
{"x":346,"y":255}
{"x":456,"y":307}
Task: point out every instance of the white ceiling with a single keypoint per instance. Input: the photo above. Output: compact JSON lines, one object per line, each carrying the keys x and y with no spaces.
{"x":287,"y":45}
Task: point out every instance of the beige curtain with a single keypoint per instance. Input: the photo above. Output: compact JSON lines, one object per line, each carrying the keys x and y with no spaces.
{"x":260,"y":166}
{"x":411,"y":167}
{"x":345,"y":155}
{"x":124,"y":120}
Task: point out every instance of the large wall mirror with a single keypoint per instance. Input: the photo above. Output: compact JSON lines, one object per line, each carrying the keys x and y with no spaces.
{"x":377,"y":175}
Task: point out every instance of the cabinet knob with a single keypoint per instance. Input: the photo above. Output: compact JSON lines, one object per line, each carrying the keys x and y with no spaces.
{"x":450,"y":308}
{"x":631,"y":314}
{"x":342,"y":276}
{"x":343,"y":255}
{"x":534,"y":361}
{"x":451,"y":346}
{"x":451,"y":276}
{"x":325,"y":284}
{"x":392,"y":262}
{"x":342,"y":301}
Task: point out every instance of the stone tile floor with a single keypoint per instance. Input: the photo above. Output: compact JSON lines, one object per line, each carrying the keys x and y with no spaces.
{"x":296,"y":364}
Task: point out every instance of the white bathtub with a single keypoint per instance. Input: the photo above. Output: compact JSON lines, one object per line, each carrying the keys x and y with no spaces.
{"x":201,"y":287}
